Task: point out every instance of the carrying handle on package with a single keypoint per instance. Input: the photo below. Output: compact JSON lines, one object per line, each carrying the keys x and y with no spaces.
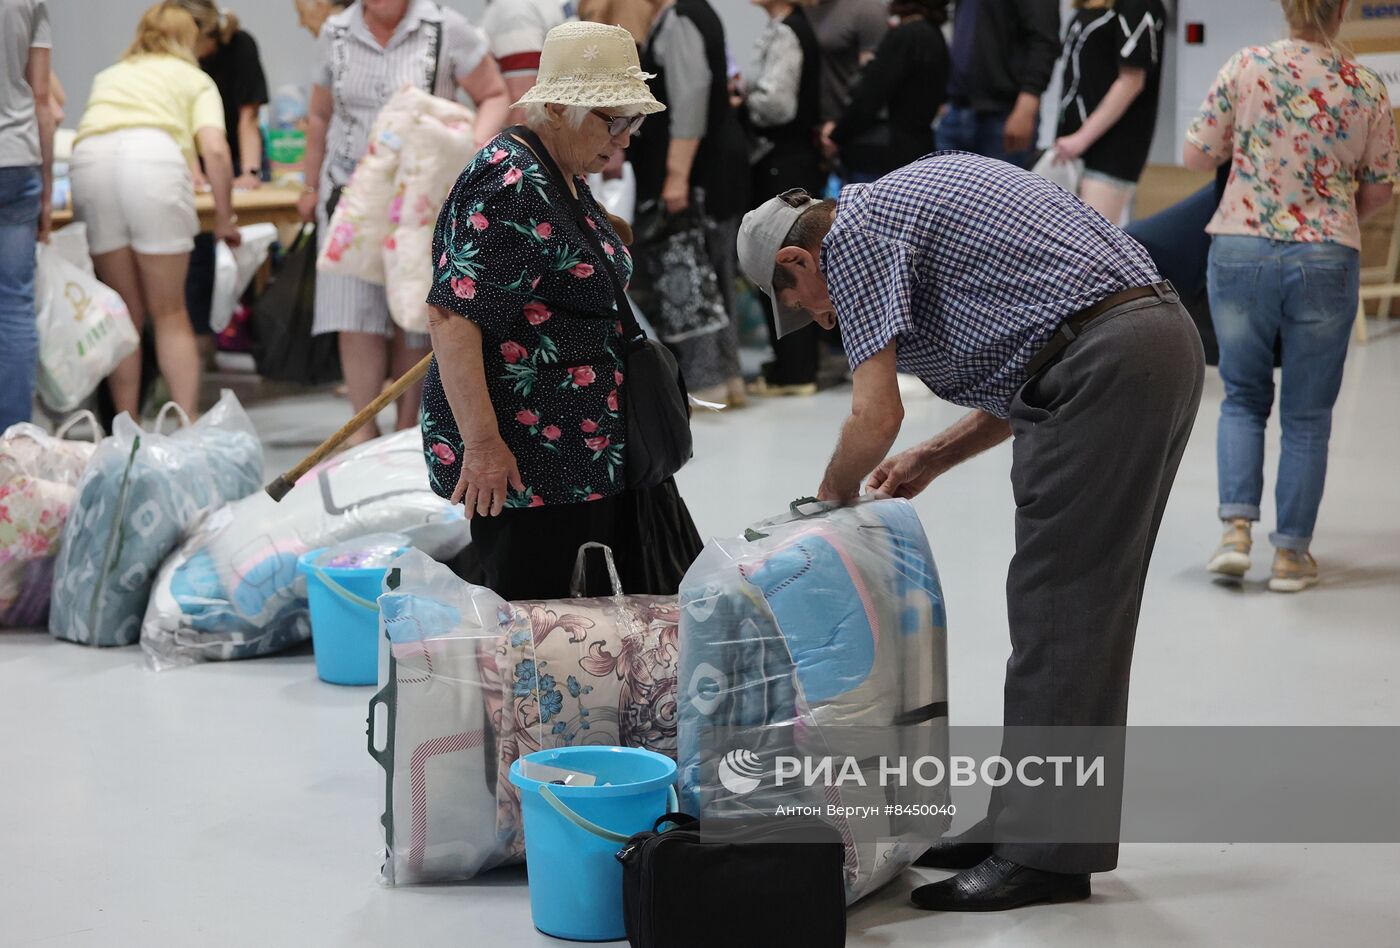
{"x":588,"y":826}
{"x":75,"y":419}
{"x":381,"y":697}
{"x":822,"y":507}
{"x":576,"y":587}
{"x":165,"y":411}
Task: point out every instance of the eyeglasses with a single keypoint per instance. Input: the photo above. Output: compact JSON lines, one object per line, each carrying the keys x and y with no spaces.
{"x":620,"y":124}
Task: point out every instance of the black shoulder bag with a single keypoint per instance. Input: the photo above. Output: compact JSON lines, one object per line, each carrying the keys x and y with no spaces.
{"x":658,"y":410}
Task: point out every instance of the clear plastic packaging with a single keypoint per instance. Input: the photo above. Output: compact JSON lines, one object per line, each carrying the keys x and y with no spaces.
{"x":470,"y":683}
{"x":140,"y":495}
{"x":232,"y":590}
{"x":375,"y":551}
{"x":818,"y":635}
{"x":39,"y":474}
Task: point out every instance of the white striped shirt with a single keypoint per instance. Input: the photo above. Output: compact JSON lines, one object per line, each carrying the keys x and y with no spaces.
{"x":369,"y":74}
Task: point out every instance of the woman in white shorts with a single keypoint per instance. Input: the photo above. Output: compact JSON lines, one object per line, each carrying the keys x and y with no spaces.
{"x":133,"y":189}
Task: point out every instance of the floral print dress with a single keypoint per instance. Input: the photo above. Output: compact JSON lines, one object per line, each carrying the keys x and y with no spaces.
{"x":1305,"y":127}
{"x":508,"y":255}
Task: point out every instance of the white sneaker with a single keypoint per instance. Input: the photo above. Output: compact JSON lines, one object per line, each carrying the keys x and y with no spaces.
{"x":1232,"y":556}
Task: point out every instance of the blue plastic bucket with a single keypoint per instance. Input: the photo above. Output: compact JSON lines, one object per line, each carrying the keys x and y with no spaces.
{"x":344,"y":620}
{"x":573,"y":834}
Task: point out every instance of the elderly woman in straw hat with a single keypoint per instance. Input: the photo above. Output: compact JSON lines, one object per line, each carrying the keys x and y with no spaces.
{"x":524,"y":414}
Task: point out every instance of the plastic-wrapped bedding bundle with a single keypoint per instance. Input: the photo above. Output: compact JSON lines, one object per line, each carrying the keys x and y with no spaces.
{"x":818,"y":636}
{"x":474,"y":682}
{"x":232,"y":590}
{"x":139,"y":495}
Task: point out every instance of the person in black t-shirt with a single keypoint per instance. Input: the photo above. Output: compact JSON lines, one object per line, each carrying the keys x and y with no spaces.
{"x":230,"y":57}
{"x":1108,"y":106}
{"x":889,"y":119}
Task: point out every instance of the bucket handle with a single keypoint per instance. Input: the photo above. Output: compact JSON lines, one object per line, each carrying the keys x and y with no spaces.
{"x":564,"y":810}
{"x":340,"y":590}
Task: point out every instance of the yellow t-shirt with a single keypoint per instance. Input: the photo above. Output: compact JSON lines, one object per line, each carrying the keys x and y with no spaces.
{"x":163,"y":92}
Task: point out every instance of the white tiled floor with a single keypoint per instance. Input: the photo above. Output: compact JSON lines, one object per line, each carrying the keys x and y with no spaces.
{"x":235,"y":805}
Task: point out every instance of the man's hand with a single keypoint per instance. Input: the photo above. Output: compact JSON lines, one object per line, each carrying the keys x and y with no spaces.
{"x":675,"y":194}
{"x":488,"y":469}
{"x":45,"y":220}
{"x":828,"y":147}
{"x":1020,"y":124}
{"x":907,"y":473}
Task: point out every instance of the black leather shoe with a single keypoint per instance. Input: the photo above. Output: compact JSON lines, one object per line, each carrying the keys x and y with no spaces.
{"x":998,"y":884}
{"x":958,"y":852}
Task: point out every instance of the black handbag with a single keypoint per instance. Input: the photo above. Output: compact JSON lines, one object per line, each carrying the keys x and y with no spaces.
{"x":283,"y":348}
{"x":743,"y":881}
{"x":659,"y":442}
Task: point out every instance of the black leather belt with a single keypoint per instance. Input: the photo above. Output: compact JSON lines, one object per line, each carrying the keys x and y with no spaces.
{"x":1076,"y":323}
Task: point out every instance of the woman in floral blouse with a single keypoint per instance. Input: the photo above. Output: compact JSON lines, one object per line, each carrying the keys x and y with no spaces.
{"x":525,"y":405}
{"x":1311,"y":139}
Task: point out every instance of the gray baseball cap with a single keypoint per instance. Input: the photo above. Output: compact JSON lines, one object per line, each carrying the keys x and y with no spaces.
{"x":761,"y":236}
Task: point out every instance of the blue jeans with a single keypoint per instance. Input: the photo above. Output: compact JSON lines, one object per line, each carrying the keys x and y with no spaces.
{"x":965,"y":129}
{"x":20,"y":193}
{"x":1259,"y":290}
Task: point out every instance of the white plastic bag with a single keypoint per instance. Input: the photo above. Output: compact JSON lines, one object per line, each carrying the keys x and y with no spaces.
{"x":234,"y":268}
{"x":84,"y":331}
{"x":818,"y":635}
{"x":1066,"y":174}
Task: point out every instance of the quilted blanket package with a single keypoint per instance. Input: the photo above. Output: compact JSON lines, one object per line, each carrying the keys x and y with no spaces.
{"x":474,"y":682}
{"x":140,"y":495}
{"x":818,"y":636}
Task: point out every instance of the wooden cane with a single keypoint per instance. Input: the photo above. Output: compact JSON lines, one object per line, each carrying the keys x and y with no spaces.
{"x":279,"y":488}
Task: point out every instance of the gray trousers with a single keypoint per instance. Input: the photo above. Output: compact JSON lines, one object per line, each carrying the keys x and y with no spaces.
{"x":1099,"y":434}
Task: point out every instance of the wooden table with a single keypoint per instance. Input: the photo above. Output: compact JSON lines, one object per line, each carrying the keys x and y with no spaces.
{"x":267,"y":204}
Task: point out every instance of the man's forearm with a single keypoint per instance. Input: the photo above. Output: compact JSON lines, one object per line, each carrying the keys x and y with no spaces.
{"x":864,"y":443}
{"x":44,"y":114}
{"x":966,"y":438}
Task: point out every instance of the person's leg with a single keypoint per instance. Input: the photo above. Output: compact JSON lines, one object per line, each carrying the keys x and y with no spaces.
{"x":118,"y":270}
{"x":163,"y":288}
{"x":1321,"y":284}
{"x":405,"y":351}
{"x":1106,"y":195}
{"x":1098,"y":440}
{"x":795,"y":356}
{"x":1246,"y":307}
{"x":364,"y":358}
{"x":721,"y":238}
{"x":21,"y":190}
{"x":199,"y":296}
{"x":957,"y":130}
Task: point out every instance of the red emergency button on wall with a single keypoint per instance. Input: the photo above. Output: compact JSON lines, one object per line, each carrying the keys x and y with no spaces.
{"x":1195,"y":34}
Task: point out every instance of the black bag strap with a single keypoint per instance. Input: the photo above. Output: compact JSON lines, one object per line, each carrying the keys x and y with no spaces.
{"x":678,"y":820}
{"x":631,"y":329}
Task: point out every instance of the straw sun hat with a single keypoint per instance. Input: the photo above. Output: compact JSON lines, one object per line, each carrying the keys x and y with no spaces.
{"x":591,"y":65}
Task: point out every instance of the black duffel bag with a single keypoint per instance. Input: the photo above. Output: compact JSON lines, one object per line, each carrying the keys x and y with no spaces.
{"x":743,"y":881}
{"x":283,"y":348}
{"x":658,"y":407}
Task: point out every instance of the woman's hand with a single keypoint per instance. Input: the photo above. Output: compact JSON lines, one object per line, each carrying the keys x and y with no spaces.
{"x":1070,"y":147}
{"x":675,"y":194}
{"x":488,"y":470}
{"x":306,"y":205}
{"x":228,"y":232}
{"x":247,"y":182}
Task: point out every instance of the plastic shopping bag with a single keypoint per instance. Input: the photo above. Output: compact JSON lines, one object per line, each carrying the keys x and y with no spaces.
{"x":473,"y":683}
{"x":232,"y":590}
{"x":1066,"y":174}
{"x":140,"y":494}
{"x":234,"y":268}
{"x":84,"y":331}
{"x":39,"y":474}
{"x":818,"y":635}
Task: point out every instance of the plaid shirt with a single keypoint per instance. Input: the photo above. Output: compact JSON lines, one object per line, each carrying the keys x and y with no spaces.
{"x":969,"y":265}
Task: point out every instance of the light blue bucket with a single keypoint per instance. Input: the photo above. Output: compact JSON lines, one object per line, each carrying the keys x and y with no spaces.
{"x":344,"y":619}
{"x":572,"y":834}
